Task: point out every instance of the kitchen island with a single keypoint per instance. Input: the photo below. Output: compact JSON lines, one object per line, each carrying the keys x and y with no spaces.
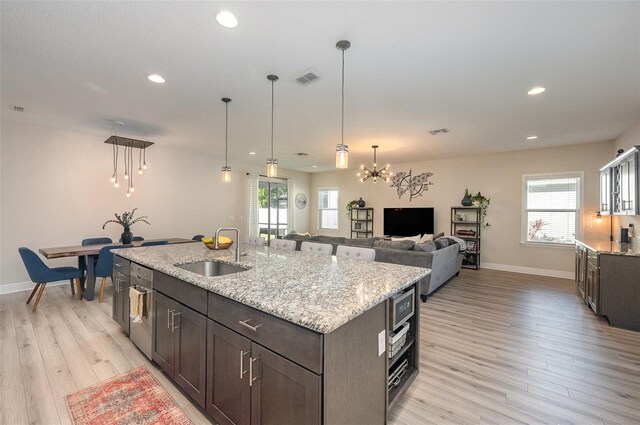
{"x":284,"y":337}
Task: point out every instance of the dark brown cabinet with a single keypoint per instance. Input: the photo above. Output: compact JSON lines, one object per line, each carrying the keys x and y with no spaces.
{"x":248,"y":384}
{"x":179,"y":345}
{"x":120,"y":307}
{"x":581,"y":270}
{"x":619,"y":185}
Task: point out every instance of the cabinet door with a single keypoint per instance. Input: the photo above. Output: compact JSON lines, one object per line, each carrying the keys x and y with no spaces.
{"x":581,"y":268}
{"x":592,"y":287}
{"x":632,"y":189}
{"x":163,"y":337}
{"x":120,"y":310}
{"x":190,"y":333}
{"x":605,"y":191}
{"x":282,"y":393}
{"x":228,"y":391}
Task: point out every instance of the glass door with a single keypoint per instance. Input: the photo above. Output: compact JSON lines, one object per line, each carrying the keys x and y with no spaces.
{"x":273,"y":204}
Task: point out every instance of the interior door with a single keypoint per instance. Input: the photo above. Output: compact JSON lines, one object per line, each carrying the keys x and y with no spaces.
{"x":228,"y":391}
{"x":273,"y":203}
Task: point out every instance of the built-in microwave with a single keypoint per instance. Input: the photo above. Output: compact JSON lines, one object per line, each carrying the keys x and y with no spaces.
{"x":401,"y":308}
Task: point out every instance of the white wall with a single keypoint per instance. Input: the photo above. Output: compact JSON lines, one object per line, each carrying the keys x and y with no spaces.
{"x":498,"y":177}
{"x":55,"y":191}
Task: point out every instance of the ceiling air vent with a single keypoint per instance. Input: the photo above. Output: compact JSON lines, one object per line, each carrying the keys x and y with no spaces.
{"x":17,"y":108}
{"x":302,"y":154}
{"x":439,"y":131}
{"x":307,"y":77}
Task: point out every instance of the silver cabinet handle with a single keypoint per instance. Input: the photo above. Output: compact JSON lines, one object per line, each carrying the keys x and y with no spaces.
{"x":169,"y":313}
{"x":116,"y":285}
{"x":251,"y":377}
{"x":246,"y":324}
{"x":242,"y":371}
{"x":173,"y":321}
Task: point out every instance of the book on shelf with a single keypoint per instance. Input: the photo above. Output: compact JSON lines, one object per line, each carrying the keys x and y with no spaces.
{"x":465,"y":232}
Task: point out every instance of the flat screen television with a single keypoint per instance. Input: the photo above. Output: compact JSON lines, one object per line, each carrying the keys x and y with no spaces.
{"x":408,"y":221}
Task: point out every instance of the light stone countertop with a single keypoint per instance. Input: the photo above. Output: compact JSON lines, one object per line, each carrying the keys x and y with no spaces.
{"x":318,"y":292}
{"x":613,"y":248}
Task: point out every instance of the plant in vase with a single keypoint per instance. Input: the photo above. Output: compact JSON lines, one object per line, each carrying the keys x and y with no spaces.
{"x":483,"y":203}
{"x":126,"y":220}
{"x":350,"y":206}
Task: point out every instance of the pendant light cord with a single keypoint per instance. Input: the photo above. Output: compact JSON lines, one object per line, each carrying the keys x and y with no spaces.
{"x":272,"y":103}
{"x":342,"y":129}
{"x":226,"y":132}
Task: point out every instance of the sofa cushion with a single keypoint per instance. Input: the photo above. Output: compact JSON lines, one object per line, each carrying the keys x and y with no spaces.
{"x":404,"y":245}
{"x":438,"y":236}
{"x":442,"y":243}
{"x":426,"y":238}
{"x":300,"y":238}
{"x":425,"y":247}
{"x":415,"y":239}
{"x":331,"y":239}
{"x":364,"y":242}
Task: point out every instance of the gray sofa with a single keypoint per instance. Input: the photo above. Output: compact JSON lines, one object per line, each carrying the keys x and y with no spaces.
{"x":444,"y":262}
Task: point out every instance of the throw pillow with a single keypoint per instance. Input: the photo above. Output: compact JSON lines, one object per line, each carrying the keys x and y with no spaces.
{"x":426,"y":238}
{"x":428,"y":246}
{"x":405,"y":245}
{"x":415,"y":239}
{"x":438,"y":236}
{"x":441,"y":243}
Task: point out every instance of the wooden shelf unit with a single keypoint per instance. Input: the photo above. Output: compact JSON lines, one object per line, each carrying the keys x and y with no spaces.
{"x":361,"y":222}
{"x":472,"y":222}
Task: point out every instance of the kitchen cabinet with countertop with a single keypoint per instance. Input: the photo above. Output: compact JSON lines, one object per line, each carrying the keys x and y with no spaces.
{"x":607,"y":279}
{"x":281,"y":336}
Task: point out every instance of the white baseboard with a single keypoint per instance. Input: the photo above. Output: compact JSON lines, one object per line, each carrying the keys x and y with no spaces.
{"x":25,"y":286}
{"x":528,"y":270}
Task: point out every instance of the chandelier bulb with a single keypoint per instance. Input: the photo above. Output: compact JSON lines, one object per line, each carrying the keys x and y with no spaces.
{"x":113,"y":179}
{"x":140,"y":171}
{"x":132,"y":189}
{"x":144,"y":166}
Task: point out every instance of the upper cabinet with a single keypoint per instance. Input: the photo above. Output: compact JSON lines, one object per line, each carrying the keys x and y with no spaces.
{"x":619,"y":185}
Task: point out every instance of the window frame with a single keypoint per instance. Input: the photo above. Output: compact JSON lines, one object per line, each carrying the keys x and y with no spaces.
{"x":578,"y":211}
{"x":337,"y":209}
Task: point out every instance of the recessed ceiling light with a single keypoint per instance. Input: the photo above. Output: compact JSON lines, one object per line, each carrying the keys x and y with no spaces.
{"x":532,"y":137}
{"x":536,"y":90}
{"x":252,"y":153}
{"x":156,"y":78}
{"x":227,"y":19}
{"x":314,"y":166}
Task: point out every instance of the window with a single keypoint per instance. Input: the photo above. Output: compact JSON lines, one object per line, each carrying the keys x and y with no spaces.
{"x":551,"y":210}
{"x":328,"y":209}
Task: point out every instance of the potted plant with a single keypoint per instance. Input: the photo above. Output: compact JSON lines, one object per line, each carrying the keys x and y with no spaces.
{"x":126,"y":220}
{"x":350,"y":207}
{"x":483,"y":203}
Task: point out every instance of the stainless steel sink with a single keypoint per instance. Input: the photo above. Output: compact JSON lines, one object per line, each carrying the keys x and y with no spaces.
{"x":212,"y":268}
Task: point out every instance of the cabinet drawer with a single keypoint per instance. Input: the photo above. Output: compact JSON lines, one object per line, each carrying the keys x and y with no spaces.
{"x":294,"y":342}
{"x":141,"y":274}
{"x":190,"y":295}
{"x":121,"y":264}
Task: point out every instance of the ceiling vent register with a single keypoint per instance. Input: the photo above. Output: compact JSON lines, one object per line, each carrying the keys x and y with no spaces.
{"x":307,"y":77}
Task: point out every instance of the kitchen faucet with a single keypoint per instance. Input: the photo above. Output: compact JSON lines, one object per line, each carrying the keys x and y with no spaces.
{"x":235,"y":229}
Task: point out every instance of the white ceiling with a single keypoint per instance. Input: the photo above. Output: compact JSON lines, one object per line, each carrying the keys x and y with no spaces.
{"x":412,"y":67}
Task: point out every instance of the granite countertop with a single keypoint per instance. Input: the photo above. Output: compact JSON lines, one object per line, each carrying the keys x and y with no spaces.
{"x":318,"y":292}
{"x":605,"y":246}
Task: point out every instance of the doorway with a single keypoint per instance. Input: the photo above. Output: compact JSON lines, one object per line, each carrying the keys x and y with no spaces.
{"x":273,"y":206}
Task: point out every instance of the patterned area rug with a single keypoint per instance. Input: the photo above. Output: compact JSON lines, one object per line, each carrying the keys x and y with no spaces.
{"x":134,"y":397}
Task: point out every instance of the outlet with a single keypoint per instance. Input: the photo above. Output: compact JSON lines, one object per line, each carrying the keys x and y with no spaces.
{"x":382,"y":342}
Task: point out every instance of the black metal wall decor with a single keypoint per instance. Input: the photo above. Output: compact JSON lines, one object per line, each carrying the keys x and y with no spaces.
{"x":413,"y":185}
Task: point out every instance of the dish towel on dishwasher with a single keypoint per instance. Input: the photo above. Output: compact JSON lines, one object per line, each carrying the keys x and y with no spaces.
{"x":136,"y":305}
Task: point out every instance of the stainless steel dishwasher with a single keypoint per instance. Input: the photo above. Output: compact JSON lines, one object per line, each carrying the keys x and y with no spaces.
{"x":140,"y":332}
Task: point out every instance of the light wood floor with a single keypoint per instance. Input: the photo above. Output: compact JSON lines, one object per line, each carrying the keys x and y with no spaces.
{"x":496,"y":348}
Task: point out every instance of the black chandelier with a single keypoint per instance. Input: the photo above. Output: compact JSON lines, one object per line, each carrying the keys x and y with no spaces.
{"x":375,"y":174}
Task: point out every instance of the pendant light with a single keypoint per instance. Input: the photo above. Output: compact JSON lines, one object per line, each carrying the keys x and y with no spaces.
{"x":342,"y":150}
{"x":365,"y":173}
{"x":272,"y":163}
{"x":226,"y":170}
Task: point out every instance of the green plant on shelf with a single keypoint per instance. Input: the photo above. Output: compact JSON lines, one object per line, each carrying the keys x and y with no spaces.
{"x":482,"y":202}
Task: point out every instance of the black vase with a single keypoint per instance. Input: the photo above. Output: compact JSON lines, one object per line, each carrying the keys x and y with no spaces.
{"x":126,"y":237}
{"x":361,"y":203}
{"x":466,"y":201}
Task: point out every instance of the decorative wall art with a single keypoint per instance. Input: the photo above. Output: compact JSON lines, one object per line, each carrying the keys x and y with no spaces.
{"x":414,"y":185}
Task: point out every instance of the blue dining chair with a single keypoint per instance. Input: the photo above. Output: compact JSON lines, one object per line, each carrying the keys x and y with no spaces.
{"x":152,"y":243}
{"x":41,"y":274}
{"x":133,"y":239}
{"x":92,"y":241}
{"x":197,"y":238}
{"x":104,"y":266}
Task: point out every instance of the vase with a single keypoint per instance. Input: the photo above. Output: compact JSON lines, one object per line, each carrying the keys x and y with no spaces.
{"x":466,"y":201}
{"x":361,"y":203}
{"x":126,"y":237}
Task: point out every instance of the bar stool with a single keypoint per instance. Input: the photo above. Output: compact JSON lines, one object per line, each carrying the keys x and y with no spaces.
{"x":356,"y":253}
{"x":317,"y":248}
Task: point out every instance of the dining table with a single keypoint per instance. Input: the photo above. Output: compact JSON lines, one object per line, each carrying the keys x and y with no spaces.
{"x":87,"y":256}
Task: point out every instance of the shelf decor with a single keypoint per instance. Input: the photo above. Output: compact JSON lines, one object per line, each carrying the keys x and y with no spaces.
{"x":414,"y":185}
